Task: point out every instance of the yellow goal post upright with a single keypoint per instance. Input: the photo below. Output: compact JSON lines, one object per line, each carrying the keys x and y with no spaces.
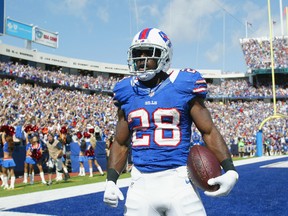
{"x":259,"y":136}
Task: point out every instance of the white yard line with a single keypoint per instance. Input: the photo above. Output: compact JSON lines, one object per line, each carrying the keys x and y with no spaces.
{"x":258,"y":159}
{"x":55,"y":194}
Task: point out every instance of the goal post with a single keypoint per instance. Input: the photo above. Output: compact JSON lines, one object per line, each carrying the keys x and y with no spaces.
{"x":259,"y":135}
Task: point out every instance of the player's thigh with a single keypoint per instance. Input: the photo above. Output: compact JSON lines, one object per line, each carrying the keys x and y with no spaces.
{"x":138,"y":205}
{"x":137,"y":201}
{"x":186,"y":202}
{"x":171,"y":195}
{"x":185,"y":199}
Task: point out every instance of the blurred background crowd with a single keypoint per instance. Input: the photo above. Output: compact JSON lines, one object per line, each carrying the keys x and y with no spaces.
{"x":52,"y":108}
{"x":257,"y":52}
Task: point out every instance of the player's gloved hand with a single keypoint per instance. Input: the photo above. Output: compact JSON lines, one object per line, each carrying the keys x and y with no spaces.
{"x":112,"y":194}
{"x":226,"y":182}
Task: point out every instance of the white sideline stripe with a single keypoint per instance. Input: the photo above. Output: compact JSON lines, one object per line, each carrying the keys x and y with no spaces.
{"x":258,"y":159}
{"x":55,"y":194}
{"x":16,"y":201}
{"x":283,"y":164}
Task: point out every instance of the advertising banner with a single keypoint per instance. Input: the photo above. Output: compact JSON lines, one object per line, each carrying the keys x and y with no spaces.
{"x":18,"y":29}
{"x":2,"y":16}
{"x":46,"y":38}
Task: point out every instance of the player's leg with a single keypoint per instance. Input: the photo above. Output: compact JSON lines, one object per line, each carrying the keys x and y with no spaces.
{"x":185,"y":199}
{"x":165,"y":193}
{"x":137,"y":201}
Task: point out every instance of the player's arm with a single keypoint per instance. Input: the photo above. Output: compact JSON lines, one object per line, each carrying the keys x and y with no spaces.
{"x":119,"y":149}
{"x":215,"y":142}
{"x":212,"y":137}
{"x":117,"y":161}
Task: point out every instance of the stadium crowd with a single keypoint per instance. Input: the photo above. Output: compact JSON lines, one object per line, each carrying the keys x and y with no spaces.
{"x":227,"y":88}
{"x":58,"y":77}
{"x":52,"y":110}
{"x":257,"y":52}
{"x":238,"y":88}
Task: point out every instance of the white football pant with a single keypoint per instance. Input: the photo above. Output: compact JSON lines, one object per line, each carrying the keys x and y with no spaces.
{"x":168,"y":193}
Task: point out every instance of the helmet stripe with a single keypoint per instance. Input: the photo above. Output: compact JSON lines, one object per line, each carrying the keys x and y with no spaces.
{"x":144,"y":34}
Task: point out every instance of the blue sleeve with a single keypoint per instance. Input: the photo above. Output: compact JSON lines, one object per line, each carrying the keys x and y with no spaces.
{"x":191,"y":83}
{"x":122,"y":91}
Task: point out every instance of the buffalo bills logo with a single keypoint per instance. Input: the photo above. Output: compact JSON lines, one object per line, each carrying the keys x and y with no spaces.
{"x":165,"y":38}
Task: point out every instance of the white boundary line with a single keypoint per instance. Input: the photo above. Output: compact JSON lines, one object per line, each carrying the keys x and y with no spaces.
{"x":16,"y":201}
{"x":258,"y":159}
{"x":55,"y":194}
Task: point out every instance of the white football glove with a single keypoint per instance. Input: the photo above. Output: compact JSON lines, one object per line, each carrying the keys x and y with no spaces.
{"x":226,"y":182}
{"x":112,"y":194}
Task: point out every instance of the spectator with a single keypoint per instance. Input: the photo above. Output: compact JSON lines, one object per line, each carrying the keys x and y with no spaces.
{"x":241,"y":147}
{"x":82,"y":144}
{"x":8,"y":161}
{"x":33,"y":157}
{"x":55,"y":154}
{"x":90,"y":152}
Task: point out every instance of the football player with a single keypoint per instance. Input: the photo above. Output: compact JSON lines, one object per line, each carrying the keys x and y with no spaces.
{"x":156,"y":108}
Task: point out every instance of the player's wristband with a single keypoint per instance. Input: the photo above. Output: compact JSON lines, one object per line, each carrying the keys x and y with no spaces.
{"x":227,"y":164}
{"x":112,"y":175}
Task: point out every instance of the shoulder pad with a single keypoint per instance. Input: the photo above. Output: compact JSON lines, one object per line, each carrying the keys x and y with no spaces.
{"x":122,"y":91}
{"x":189,"y":81}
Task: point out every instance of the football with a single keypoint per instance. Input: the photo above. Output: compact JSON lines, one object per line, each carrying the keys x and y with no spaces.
{"x":202,"y":165}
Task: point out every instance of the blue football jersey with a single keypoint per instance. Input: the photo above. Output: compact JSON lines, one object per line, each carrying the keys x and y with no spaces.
{"x":159,"y":118}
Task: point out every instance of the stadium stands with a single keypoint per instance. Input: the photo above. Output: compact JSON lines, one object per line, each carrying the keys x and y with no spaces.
{"x":54,"y":98}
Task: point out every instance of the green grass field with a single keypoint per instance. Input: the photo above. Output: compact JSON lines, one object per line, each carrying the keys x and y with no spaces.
{"x":21,"y":188}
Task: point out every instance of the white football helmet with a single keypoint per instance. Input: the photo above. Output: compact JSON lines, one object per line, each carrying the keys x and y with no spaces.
{"x":157,"y":45}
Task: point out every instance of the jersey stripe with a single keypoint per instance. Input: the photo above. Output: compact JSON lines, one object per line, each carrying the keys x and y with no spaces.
{"x":200,"y":81}
{"x":201,"y":89}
